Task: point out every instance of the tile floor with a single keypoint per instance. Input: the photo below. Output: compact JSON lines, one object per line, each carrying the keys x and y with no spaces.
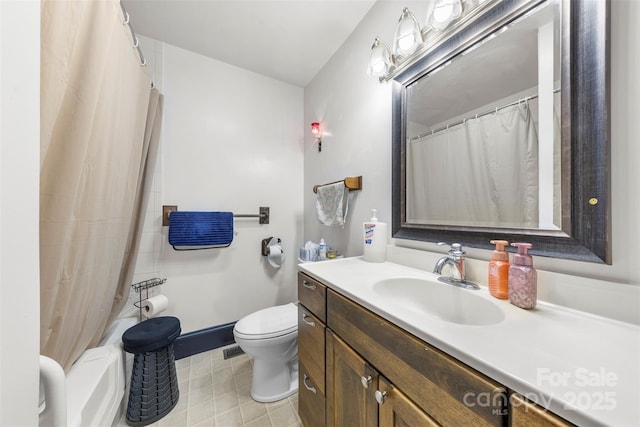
{"x":216,"y":393}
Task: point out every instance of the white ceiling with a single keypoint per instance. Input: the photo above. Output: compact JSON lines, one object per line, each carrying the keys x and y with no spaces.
{"x":288,"y":40}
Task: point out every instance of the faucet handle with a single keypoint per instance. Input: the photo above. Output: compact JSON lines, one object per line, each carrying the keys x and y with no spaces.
{"x":456,"y":248}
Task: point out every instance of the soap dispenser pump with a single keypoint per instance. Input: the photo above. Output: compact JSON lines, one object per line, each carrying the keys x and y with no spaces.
{"x":499,"y":270}
{"x":523,"y":291}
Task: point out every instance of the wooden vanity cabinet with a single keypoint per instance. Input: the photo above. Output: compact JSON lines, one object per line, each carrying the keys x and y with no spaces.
{"x":524,"y":413}
{"x":358,"y":396}
{"x":444,"y":390}
{"x":358,"y":369}
{"x":312,"y":315}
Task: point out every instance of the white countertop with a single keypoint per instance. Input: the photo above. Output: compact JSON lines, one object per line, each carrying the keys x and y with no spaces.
{"x":582,"y":367}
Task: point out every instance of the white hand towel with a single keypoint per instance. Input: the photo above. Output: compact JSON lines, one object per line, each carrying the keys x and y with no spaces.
{"x":332,"y":204}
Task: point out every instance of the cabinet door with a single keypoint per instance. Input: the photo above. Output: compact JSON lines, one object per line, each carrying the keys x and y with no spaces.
{"x":396,"y":410}
{"x":351,"y":386}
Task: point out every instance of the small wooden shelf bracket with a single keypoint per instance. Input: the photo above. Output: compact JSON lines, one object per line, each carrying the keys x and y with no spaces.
{"x":353,"y":183}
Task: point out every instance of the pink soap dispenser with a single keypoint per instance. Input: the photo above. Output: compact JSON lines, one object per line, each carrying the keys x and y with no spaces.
{"x":523,"y":288}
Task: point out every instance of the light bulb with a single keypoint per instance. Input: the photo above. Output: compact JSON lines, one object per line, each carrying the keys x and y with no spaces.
{"x":408,"y":35}
{"x":380,"y":61}
{"x":315,"y":129}
{"x":444,"y":12}
{"x":406,"y":43}
{"x":378,"y":69}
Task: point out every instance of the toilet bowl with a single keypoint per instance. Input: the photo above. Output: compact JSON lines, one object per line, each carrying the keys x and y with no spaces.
{"x":271,"y":337}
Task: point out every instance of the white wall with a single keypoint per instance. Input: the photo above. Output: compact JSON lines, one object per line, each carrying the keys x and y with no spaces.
{"x":232,"y":141}
{"x":19,"y":215}
{"x":357,"y":112}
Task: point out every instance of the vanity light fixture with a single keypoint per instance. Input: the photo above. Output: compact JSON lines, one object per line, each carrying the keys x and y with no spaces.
{"x":317,"y":134}
{"x":409,"y":37}
{"x":381,"y":60}
{"x":408,"y":34}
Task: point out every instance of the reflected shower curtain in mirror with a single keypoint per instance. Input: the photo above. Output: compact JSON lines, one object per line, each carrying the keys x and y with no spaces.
{"x":95,"y":157}
{"x":486,"y":173}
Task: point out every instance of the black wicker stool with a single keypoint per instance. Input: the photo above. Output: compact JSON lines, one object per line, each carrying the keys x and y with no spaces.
{"x":154,"y":384}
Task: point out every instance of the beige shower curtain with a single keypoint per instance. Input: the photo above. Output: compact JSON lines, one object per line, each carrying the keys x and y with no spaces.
{"x":99,"y":133}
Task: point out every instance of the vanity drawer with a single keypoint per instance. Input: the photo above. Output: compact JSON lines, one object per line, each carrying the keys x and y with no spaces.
{"x":313,"y":295}
{"x":446,"y":389}
{"x":311,"y":401}
{"x":311,"y":342}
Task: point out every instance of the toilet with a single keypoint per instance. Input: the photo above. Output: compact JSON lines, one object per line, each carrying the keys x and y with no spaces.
{"x":271,"y":337}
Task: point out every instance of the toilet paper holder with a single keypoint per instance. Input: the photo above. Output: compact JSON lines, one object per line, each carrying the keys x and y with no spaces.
{"x":265,"y":245}
{"x":144,"y":286}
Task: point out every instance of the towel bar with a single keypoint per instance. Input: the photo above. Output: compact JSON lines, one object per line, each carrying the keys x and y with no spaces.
{"x":351,"y":182}
{"x":263,"y":214}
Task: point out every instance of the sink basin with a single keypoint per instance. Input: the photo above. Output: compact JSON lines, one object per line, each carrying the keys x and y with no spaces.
{"x":433,"y":298}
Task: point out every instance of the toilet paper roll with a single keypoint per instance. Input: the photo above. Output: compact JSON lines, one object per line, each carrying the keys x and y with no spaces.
{"x":276,"y":255}
{"x":155,"y":305}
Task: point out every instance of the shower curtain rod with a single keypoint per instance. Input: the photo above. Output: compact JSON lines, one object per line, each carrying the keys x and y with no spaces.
{"x":134,"y":38}
{"x":486,"y":113}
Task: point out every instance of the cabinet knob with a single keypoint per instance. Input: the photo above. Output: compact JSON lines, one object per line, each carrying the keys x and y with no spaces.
{"x":308,"y":322}
{"x":381,"y":396}
{"x":308,"y":285}
{"x":365,"y":381}
{"x":304,"y":381}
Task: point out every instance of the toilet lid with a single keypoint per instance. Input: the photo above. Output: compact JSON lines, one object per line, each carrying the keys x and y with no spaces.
{"x":269,"y":322}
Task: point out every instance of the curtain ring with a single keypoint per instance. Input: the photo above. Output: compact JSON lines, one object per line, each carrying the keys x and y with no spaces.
{"x":126,"y":18}
{"x":143,"y":63}
{"x":136,"y":42}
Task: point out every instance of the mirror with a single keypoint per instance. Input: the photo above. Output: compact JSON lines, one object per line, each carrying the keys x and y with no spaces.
{"x":503,"y":114}
{"x":502,"y":131}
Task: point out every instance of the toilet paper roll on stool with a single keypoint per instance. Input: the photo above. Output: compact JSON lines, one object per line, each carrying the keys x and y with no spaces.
{"x":153,"y":306}
{"x":276,"y":254}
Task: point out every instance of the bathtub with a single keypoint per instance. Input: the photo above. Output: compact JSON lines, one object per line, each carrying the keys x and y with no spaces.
{"x":95,"y":384}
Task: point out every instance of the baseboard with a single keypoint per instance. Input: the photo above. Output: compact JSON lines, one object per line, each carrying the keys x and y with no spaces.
{"x":203,"y":340}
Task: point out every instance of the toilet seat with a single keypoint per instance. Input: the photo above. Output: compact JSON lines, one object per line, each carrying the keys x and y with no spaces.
{"x":267,"y":323}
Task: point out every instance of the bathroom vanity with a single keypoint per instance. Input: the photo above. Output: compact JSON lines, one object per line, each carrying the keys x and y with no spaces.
{"x":370,"y":356}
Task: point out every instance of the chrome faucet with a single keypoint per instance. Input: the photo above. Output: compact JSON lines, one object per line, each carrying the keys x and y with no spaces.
{"x":455,"y":260}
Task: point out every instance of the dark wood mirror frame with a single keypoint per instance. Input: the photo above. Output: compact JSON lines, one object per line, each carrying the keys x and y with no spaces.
{"x":585,"y":100}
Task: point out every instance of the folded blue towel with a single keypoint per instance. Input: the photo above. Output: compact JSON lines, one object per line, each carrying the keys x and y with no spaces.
{"x":202,"y":229}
